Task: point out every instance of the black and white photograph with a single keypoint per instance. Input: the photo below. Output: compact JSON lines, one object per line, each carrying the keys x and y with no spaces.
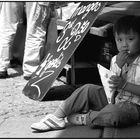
{"x":69,"y":69}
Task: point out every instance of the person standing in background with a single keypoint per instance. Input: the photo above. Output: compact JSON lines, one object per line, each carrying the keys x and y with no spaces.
{"x":37,"y":16}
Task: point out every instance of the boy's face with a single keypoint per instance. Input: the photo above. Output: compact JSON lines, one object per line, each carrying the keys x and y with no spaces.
{"x":129,"y":42}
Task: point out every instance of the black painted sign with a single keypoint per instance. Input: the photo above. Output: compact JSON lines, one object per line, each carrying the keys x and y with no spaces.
{"x":66,"y":43}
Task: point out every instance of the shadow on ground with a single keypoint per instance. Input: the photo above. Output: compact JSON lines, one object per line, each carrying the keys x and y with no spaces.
{"x":59,"y":92}
{"x":72,"y":131}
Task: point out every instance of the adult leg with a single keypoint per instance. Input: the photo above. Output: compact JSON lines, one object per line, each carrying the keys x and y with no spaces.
{"x":37,"y":20}
{"x":10,"y":16}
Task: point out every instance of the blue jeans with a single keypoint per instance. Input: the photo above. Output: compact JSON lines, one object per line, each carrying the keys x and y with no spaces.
{"x":92,"y":99}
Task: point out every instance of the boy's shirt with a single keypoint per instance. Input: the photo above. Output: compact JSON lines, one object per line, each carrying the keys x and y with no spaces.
{"x":132,"y":75}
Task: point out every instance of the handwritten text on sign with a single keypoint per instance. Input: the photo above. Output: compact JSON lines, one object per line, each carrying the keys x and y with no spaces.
{"x":76,"y":28}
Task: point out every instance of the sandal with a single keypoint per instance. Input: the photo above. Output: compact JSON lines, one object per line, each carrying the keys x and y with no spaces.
{"x":50,"y":122}
{"x":77,"y":119}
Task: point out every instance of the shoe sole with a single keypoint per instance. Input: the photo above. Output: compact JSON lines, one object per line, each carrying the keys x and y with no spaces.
{"x":51,"y":129}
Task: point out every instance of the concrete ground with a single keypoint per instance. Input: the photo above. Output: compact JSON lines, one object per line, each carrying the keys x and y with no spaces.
{"x":18,"y":112}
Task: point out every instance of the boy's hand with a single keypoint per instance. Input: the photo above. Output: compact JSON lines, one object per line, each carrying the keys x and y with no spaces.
{"x":116,"y":82}
{"x":121,"y":58}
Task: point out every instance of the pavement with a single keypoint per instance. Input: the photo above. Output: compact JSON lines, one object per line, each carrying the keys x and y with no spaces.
{"x":19,"y":127}
{"x":18,"y":112}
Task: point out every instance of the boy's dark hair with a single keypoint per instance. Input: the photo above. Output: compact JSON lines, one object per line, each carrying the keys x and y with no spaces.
{"x":126,"y":23}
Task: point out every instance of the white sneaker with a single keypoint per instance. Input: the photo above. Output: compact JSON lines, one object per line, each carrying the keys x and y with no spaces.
{"x":50,"y":122}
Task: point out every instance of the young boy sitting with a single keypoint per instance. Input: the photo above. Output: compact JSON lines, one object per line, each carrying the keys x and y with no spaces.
{"x":88,"y":104}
